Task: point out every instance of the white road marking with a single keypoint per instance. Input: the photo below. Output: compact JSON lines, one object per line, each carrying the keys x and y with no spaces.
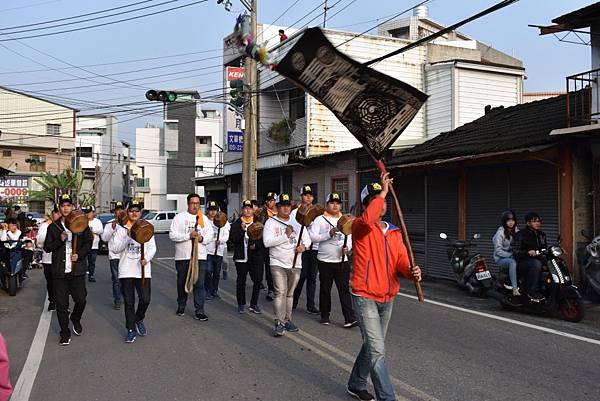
{"x":268,"y":318}
{"x":24,"y":385}
{"x":508,"y":320}
{"x":169,"y":258}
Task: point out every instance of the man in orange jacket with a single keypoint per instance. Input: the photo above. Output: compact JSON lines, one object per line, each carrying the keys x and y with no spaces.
{"x":379,"y":255}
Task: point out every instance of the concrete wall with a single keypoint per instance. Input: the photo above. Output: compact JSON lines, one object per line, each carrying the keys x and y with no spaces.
{"x":438,"y":109}
{"x":180,"y":170}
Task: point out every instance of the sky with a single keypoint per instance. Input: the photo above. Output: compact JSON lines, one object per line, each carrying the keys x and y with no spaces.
{"x":197,"y":32}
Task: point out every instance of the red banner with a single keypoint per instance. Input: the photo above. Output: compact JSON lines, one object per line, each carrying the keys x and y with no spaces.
{"x":234,"y":73}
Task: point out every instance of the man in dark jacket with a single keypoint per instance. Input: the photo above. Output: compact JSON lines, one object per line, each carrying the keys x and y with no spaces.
{"x":68,"y":270}
{"x":248,"y":258}
{"x":528,"y":243}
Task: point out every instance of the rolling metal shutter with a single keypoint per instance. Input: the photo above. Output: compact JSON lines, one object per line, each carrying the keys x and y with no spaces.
{"x":411,"y":194}
{"x":534,"y":187}
{"x":487,"y":198}
{"x":442,"y":216}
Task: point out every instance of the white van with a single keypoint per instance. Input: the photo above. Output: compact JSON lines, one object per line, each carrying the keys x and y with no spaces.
{"x":161,"y":220}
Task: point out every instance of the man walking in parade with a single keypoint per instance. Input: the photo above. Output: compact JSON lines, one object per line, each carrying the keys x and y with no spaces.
{"x":379,"y":255}
{"x":47,"y":257}
{"x":269,"y":210}
{"x":187,"y":227}
{"x":113,"y":257}
{"x":68,"y":269}
{"x":310,"y":266}
{"x":97,"y":230}
{"x":215,"y":251}
{"x":281,"y":235}
{"x":248,"y":258}
{"x":332,"y":250}
{"x":131,"y":264}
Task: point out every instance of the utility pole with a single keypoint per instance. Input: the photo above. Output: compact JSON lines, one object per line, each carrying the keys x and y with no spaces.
{"x":325,"y":14}
{"x":250,"y":116}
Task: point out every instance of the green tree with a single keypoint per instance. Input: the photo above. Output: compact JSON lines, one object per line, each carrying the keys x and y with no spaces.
{"x":68,"y":181}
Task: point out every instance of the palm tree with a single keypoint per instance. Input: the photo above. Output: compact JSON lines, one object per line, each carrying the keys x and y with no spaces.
{"x":68,"y":181}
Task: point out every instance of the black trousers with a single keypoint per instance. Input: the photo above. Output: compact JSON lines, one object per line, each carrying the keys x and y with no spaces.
{"x":310,"y":269}
{"x":49,"y":282}
{"x":267,"y":268}
{"x":129,"y":286}
{"x":63,"y":287}
{"x":532,"y":269}
{"x":254,"y":266}
{"x":340,"y":274}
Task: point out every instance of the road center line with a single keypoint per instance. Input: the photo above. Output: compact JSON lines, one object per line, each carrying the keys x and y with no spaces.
{"x":268,"y":317}
{"x":508,"y":320}
{"x":24,"y":385}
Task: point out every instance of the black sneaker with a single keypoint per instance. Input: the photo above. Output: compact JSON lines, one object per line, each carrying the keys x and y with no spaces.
{"x":92,"y":279}
{"x":349,"y":325}
{"x":77,"y":329}
{"x":201,"y":316}
{"x":313,"y":311}
{"x":325,"y":321}
{"x":116,"y":305}
{"x":51,"y":306}
{"x":64,"y":341}
{"x":180,"y":311}
{"x":362,"y":395}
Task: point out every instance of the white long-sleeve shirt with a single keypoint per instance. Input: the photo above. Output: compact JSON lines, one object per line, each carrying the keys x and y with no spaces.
{"x":130,"y":254}
{"x":282,"y":248}
{"x":40,"y":238}
{"x":314,"y":245}
{"x":97,"y":230}
{"x":6,"y":235}
{"x":181,"y":228}
{"x":223,"y":238}
{"x":107,"y":234}
{"x":330,"y":248}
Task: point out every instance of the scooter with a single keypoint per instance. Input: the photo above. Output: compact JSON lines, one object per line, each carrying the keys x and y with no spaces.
{"x":471,"y":272}
{"x":562,"y":297}
{"x":588,"y":258}
{"x":10,"y":266}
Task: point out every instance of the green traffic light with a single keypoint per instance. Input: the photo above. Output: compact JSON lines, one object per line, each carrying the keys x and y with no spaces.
{"x":171,"y":96}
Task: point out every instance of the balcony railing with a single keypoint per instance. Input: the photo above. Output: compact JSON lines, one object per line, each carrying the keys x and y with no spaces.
{"x":583,"y":99}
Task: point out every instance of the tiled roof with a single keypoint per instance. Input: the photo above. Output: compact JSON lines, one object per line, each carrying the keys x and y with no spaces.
{"x":502,"y":129}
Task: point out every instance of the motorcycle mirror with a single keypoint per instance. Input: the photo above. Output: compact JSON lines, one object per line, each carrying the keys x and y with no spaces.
{"x":443,"y":236}
{"x":476,"y":236}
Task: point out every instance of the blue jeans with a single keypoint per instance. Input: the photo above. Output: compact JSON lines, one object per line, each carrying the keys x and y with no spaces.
{"x":511,"y":263}
{"x":373,"y":318}
{"x":213,"y":273}
{"x":199,"y":292}
{"x":114,"y":276}
{"x":532,"y":269}
{"x":91,"y":261}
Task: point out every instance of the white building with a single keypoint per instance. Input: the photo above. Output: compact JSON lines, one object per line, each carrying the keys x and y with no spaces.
{"x":461,"y":76}
{"x":100,"y":156}
{"x":151,"y":160}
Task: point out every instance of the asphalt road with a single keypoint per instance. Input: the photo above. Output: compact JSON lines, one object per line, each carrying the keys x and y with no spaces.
{"x":434,"y":352}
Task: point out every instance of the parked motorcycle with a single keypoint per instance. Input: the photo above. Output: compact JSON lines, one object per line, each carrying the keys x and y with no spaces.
{"x":563,"y":298}
{"x":470,"y":271}
{"x":588,"y":258}
{"x":10,"y":266}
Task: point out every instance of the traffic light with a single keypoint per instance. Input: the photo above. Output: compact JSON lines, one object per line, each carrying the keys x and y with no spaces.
{"x":161,"y":96}
{"x":237,"y":92}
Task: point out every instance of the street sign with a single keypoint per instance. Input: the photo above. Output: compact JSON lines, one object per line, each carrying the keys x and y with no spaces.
{"x":375,"y":107}
{"x":235,"y":73}
{"x":235,"y":141}
{"x":14,"y":187}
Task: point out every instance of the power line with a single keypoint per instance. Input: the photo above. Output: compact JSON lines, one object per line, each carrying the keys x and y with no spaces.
{"x":74,"y":17}
{"x":105,"y":23}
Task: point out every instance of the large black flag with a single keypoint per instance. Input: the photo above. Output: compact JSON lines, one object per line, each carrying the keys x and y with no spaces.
{"x":375,"y":107}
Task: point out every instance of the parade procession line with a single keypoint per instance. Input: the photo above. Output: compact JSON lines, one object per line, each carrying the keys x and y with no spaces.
{"x":313,"y":343}
{"x":508,"y":320}
{"x":26,"y":379}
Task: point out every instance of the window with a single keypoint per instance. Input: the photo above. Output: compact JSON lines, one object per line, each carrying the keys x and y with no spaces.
{"x":7,"y":153}
{"x":199,"y":168}
{"x":340,"y":185}
{"x":171,"y":154}
{"x":171,"y":216}
{"x":161,"y":216}
{"x":297,"y":104}
{"x":85,"y":152}
{"x":36,"y":162}
{"x":203,"y":146}
{"x":53,"y":129}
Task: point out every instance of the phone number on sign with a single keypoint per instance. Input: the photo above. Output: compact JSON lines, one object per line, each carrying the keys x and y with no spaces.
{"x":13,"y":191}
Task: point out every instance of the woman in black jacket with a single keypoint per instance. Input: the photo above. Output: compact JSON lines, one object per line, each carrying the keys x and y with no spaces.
{"x":248,"y":258}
